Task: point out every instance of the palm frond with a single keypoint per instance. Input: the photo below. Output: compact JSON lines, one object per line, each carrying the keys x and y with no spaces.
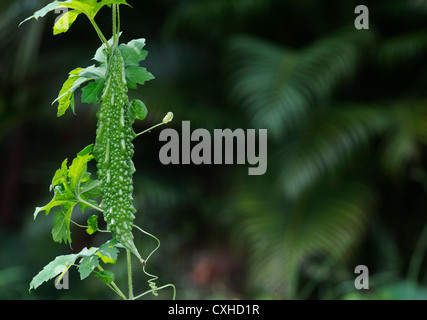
{"x":328,"y":145}
{"x":418,"y":119}
{"x":398,"y":8}
{"x":401,"y":48}
{"x":279,"y":87}
{"x":416,"y":5}
{"x":403,"y":141}
{"x":199,"y":15}
{"x":328,"y":223}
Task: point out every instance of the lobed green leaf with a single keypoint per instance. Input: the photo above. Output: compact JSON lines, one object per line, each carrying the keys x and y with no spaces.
{"x":132,"y":52}
{"x":77,"y":173}
{"x":64,"y":23}
{"x":76,"y":78}
{"x":65,"y":94}
{"x":58,"y":266}
{"x":71,"y":186}
{"x":137,"y":75}
{"x":101,"y":54}
{"x":92,"y":225}
{"x":42,"y":12}
{"x":92,"y":92}
{"x":61,"y":225}
{"x":108,"y":252}
{"x":89,"y":260}
{"x":105,"y":276}
{"x":87,"y":265}
{"x":137,"y":110}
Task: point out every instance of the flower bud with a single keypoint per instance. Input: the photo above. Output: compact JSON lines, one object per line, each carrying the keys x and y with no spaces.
{"x":168,"y":118}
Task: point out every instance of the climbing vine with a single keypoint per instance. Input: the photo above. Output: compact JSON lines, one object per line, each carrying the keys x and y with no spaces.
{"x":111,"y":194}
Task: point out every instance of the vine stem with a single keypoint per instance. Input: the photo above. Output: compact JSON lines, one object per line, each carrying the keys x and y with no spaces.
{"x":168,"y":118}
{"x":129,"y":275}
{"x":82,"y":226}
{"x":100,"y":34}
{"x":115,"y":41}
{"x":153,"y":278}
{"x":155,"y":290}
{"x":149,"y":129}
{"x":90,"y":205}
{"x":114,"y":287}
{"x":118,"y":19}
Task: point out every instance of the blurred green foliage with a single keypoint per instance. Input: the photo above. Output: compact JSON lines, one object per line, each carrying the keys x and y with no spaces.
{"x":346,"y":112}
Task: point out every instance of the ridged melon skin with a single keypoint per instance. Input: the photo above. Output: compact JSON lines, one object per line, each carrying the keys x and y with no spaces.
{"x":113,"y":152}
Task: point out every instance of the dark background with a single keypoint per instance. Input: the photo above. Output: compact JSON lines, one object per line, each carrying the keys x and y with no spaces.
{"x":346,"y":112}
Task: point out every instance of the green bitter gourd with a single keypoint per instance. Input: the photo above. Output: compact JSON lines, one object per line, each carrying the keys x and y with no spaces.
{"x":113,"y":152}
